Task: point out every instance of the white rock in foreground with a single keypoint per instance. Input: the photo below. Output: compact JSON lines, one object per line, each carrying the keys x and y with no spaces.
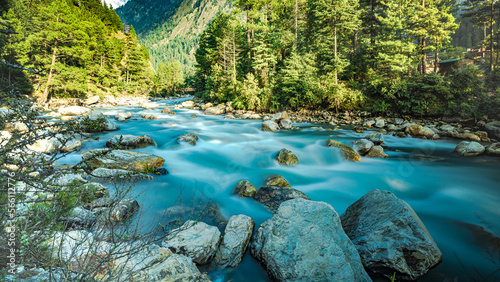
{"x":196,"y":240}
{"x":236,"y":237}
{"x":74,"y":111}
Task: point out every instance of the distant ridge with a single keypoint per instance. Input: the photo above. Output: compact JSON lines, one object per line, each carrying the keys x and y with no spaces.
{"x":171,"y":29}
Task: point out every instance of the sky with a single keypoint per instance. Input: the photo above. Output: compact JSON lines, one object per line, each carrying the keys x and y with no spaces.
{"x":115,"y":3}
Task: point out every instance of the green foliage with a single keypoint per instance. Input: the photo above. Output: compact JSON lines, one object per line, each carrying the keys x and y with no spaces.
{"x":78,"y":45}
{"x":169,"y":78}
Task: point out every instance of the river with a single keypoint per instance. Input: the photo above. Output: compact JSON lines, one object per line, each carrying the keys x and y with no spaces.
{"x":457,"y":198}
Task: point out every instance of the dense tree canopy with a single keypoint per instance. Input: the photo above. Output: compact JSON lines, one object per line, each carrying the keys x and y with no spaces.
{"x":78,"y":47}
{"x":340,"y":54}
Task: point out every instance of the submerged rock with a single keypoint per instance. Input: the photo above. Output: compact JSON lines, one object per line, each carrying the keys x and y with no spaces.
{"x":167,"y":111}
{"x":189,"y":138}
{"x":390,"y":237}
{"x":196,"y":240}
{"x":236,"y":237}
{"x":128,"y":142}
{"x":269,"y":125}
{"x":121,"y":159}
{"x":304,"y":241}
{"x":347,"y":152}
{"x":286,"y":157}
{"x":273,"y":196}
{"x":245,"y":189}
{"x":469,"y":149}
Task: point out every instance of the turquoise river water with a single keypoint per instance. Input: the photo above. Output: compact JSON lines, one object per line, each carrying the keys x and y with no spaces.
{"x":457,"y":198}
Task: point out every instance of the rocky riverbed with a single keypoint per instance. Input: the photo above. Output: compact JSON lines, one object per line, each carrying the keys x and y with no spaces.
{"x":295,"y":193}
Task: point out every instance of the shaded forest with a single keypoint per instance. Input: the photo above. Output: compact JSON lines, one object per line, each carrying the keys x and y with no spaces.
{"x":76,"y":48}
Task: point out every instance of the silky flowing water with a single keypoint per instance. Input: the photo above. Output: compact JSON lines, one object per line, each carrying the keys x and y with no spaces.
{"x":457,"y":198}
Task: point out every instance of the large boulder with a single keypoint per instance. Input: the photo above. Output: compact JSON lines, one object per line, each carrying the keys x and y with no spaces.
{"x":47,"y":146}
{"x":304,"y":241}
{"x":469,"y":149}
{"x":493,"y":150}
{"x":92,"y":100}
{"x":5,"y":137}
{"x":149,"y":105}
{"x":97,"y":122}
{"x":71,"y":145}
{"x":273,"y":196}
{"x":418,"y":131}
{"x":137,"y":261}
{"x":196,"y":240}
{"x":390,"y":237}
{"x":269,"y":125}
{"x":123,"y":209}
{"x":189,"y":138}
{"x":245,"y":189}
{"x":280,"y":116}
{"x":217,"y":110}
{"x":236,"y":237}
{"x":277,"y":180}
{"x":493,"y":128}
{"x":379,"y":123}
{"x":74,"y":111}
{"x":377,"y":152}
{"x":78,"y":218}
{"x":468,"y":136}
{"x":345,"y":151}
{"x":153,"y":263}
{"x":286,"y":157}
{"x":187,"y":104}
{"x":106,"y":175}
{"x":362,"y":146}
{"x":123,"y":116}
{"x":128,"y":141}
{"x":285,"y":124}
{"x":376,"y":137}
{"x":121,"y":159}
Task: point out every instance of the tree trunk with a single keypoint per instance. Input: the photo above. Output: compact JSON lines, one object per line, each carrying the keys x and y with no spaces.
{"x":51,"y":73}
{"x":296,"y":25}
{"x":52,"y":69}
{"x":424,"y":55}
{"x":492,"y":66}
{"x":248,"y":36}
{"x":234,"y":59}
{"x":436,"y":62}
{"x":355,"y":42}
{"x":335,"y":52}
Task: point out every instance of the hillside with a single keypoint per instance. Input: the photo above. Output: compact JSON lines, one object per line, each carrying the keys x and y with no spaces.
{"x":171,"y":32}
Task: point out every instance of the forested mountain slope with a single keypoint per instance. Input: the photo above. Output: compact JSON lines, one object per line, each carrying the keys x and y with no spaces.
{"x":171,"y":33}
{"x":76,"y":47}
